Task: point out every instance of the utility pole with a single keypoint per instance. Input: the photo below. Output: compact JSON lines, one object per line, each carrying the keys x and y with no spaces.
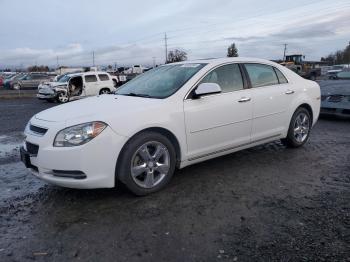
{"x":58,"y":65}
{"x":166,"y":48}
{"x":93,"y":58}
{"x":284,"y":52}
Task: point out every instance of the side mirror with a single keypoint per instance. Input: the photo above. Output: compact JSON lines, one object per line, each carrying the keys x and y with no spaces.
{"x":206,"y":89}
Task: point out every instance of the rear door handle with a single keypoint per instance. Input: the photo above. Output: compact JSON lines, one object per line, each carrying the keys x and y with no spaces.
{"x":244,"y":99}
{"x":289,"y":92}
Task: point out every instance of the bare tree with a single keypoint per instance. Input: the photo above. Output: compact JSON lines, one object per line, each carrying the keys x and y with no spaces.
{"x":176,"y":56}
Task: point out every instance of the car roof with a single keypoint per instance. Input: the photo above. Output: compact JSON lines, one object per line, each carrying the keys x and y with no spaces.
{"x":87,"y":73}
{"x":218,"y":61}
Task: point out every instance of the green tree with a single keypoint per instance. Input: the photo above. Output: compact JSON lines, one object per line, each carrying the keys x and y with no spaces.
{"x":232,"y":50}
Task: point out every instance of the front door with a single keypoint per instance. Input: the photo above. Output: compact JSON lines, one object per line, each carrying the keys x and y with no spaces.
{"x":219,"y":122}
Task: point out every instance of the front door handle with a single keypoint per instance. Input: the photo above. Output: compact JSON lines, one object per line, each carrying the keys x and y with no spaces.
{"x":289,"y":92}
{"x":244,"y":99}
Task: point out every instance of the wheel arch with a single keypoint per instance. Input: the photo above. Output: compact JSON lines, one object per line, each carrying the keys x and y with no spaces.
{"x":308,"y":108}
{"x":161,"y":130}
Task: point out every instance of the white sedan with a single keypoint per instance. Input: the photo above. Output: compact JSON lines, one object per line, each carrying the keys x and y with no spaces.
{"x":172,"y":116}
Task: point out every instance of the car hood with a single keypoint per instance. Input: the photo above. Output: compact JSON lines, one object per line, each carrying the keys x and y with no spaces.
{"x":335,"y":87}
{"x":98,"y":108}
{"x":53,"y":84}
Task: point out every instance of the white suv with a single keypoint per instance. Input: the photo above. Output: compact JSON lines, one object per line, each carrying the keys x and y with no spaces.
{"x":76,"y":86}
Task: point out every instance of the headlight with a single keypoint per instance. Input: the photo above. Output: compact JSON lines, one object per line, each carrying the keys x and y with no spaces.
{"x":79,"y":134}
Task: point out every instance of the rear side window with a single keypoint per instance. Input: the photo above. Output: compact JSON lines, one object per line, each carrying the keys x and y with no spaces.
{"x":228,"y":77}
{"x":261,"y":75}
{"x":90,"y":78}
{"x":281,"y":78}
{"x":103,"y":77}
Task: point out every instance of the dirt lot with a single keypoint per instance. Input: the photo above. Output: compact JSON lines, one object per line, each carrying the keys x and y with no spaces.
{"x":268,"y":203}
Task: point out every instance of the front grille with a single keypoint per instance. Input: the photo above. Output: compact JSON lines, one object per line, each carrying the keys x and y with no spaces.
{"x":38,"y":130}
{"x":32,"y":149}
{"x":335,"y":98}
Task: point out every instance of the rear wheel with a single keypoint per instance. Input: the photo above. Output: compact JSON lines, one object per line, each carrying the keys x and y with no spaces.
{"x":104,"y":91}
{"x":299,"y":128}
{"x":147,"y":163}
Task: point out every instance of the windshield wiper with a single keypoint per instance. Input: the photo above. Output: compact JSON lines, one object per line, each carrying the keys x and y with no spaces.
{"x":134,"y":94}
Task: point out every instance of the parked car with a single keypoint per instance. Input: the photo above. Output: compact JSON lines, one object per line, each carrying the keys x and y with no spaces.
{"x":75,"y":86}
{"x":1,"y":81}
{"x":335,"y":99}
{"x":172,"y":116}
{"x":343,"y":75}
{"x":30,"y":81}
{"x":10,"y":78}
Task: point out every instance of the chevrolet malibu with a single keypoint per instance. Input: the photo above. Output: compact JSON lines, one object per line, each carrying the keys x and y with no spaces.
{"x":170,"y":117}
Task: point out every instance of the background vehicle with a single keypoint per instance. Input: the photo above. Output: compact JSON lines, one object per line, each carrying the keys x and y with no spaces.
{"x":10,"y":79}
{"x":335,"y":99}
{"x":30,"y":81}
{"x":76,"y":86}
{"x":174,"y":115}
{"x":342,"y":75}
{"x":301,"y":67}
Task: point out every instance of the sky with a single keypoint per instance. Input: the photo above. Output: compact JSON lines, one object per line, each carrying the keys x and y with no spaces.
{"x":62,"y":32}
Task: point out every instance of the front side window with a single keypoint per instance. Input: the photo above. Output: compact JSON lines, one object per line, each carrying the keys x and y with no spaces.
{"x":90,"y":78}
{"x":228,"y":77}
{"x":160,"y":82}
{"x":103,"y":77}
{"x":261,"y":75}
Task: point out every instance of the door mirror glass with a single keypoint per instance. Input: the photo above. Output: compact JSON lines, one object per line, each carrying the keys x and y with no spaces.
{"x":206,"y":89}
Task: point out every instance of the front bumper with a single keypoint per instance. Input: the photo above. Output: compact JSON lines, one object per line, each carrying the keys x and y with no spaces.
{"x":46,"y":96}
{"x":91,"y":165}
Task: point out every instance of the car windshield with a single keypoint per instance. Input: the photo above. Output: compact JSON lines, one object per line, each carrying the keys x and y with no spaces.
{"x":64,"y":79}
{"x":160,"y":82}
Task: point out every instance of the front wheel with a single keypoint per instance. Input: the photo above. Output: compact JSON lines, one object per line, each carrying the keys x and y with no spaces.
{"x":299,"y":128}
{"x":62,"y":97}
{"x":147,"y":163}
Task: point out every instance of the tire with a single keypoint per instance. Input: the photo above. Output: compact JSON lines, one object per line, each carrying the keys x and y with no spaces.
{"x":299,"y":128}
{"x":62,"y":98}
{"x":104,"y":91}
{"x":134,"y":166}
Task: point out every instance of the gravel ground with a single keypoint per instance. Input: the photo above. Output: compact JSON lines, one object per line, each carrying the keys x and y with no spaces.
{"x":268,"y":203}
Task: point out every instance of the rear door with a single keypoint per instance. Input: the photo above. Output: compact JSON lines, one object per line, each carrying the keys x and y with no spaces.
{"x":91,"y":86}
{"x":105,"y":81}
{"x":270,"y":101}
{"x":219,"y":122}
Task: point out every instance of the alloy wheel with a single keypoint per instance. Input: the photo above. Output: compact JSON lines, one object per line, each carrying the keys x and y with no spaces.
{"x":301,"y":127}
{"x":63,"y":98}
{"x":150,"y":164}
